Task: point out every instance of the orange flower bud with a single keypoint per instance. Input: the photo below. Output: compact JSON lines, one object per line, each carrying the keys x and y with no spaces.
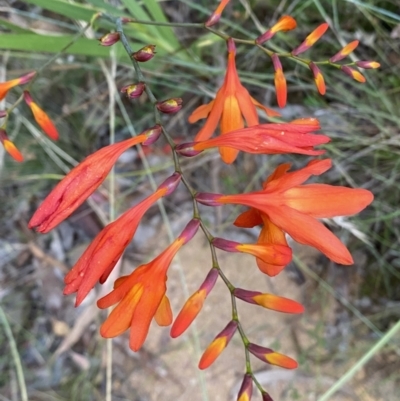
{"x":216,"y":15}
{"x":280,"y":82}
{"x":368,"y":64}
{"x":311,"y":39}
{"x":109,"y":39}
{"x":351,"y":72}
{"x":219,"y":343}
{"x":170,"y":105}
{"x":6,"y":86}
{"x":285,"y":23}
{"x":144,"y":54}
{"x":134,"y":91}
{"x":246,"y":389}
{"x":272,"y":357}
{"x":318,"y":78}
{"x":344,"y":52}
{"x":9,"y":147}
{"x":41,"y":117}
{"x":266,"y":397}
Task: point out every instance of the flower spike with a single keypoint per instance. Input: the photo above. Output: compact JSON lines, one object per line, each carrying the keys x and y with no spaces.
{"x":9,"y":147}
{"x":193,"y":305}
{"x":280,"y":82}
{"x":285,"y":23}
{"x":318,"y":78}
{"x":311,"y":39}
{"x":41,"y":117}
{"x":81,"y":182}
{"x":272,"y":357}
{"x":246,"y":389}
{"x":141,"y":296}
{"x":344,"y":52}
{"x":219,"y":343}
{"x":231,"y":106}
{"x":269,"y":301}
{"x":216,"y":15}
{"x":351,"y":72}
{"x":6,"y":86}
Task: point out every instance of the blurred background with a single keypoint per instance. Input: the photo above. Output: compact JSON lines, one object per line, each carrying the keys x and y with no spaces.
{"x":51,"y":351}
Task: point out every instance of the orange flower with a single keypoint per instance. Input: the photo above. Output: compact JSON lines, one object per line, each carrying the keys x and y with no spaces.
{"x":294,"y":137}
{"x":6,"y":86}
{"x":141,"y":295}
{"x":219,"y":343}
{"x":216,"y":15}
{"x":285,"y":23}
{"x":10,"y":147}
{"x":82,"y":181}
{"x":41,"y":117}
{"x":101,"y":256}
{"x":272,"y":357}
{"x":194,"y":305}
{"x":231,"y":104}
{"x":311,"y":39}
{"x":294,"y":208}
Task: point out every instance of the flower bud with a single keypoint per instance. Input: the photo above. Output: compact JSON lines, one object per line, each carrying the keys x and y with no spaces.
{"x":216,"y":15}
{"x":285,"y":23}
{"x":9,"y":146}
{"x":134,"y":91}
{"x":311,"y":39}
{"x":186,"y":149}
{"x":280,"y":81}
{"x":170,"y":106}
{"x":109,"y":39}
{"x":318,"y":78}
{"x":246,"y":389}
{"x":190,"y":230}
{"x":351,"y":72}
{"x":152,"y":134}
{"x":144,"y":54}
{"x":368,"y":64}
{"x":171,"y":183}
{"x":271,"y":357}
{"x":344,"y":52}
{"x":266,"y":397}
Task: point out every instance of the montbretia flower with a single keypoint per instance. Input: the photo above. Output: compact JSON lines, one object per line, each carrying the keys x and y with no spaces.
{"x":318,"y":78}
{"x":351,"y":72}
{"x":220,"y":342}
{"x":294,"y":208}
{"x":82,"y":181}
{"x":216,"y":15}
{"x":280,"y":81}
{"x":109,"y":39}
{"x":246,"y":389}
{"x":144,"y":54}
{"x":231,"y":104}
{"x":285,"y":23}
{"x":100,"y":258}
{"x":340,"y":55}
{"x":311,"y":39}
{"x":9,"y":147}
{"x":294,"y":137}
{"x":193,"y":305}
{"x":269,"y":301}
{"x":269,"y":253}
{"x":41,"y":117}
{"x":141,"y":295}
{"x":6,"y":86}
{"x":272,"y":357}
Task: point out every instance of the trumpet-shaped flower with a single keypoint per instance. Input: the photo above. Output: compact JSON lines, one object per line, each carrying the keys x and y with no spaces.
{"x":194,"y":305}
{"x":6,"y":86}
{"x":294,"y":208}
{"x":220,"y":342}
{"x":231,"y":104}
{"x":141,"y":295}
{"x":82,"y":181}
{"x":294,"y":137}
{"x":41,"y":117}
{"x":101,"y":256}
{"x":9,"y":147}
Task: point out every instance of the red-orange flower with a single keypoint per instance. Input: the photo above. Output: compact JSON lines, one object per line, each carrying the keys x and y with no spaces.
{"x":10,"y":147}
{"x":294,"y":137}
{"x":220,"y":342}
{"x":101,"y":256}
{"x":280,"y":81}
{"x":6,"y":86}
{"x":82,"y":181}
{"x":141,"y":295}
{"x":231,"y":104}
{"x":41,"y":117}
{"x":294,"y":208}
{"x":193,"y":305}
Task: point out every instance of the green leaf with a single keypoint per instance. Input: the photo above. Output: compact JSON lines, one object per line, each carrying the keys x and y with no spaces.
{"x":13,"y":27}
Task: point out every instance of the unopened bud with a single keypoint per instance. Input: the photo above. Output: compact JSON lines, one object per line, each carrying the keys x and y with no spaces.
{"x":109,"y":39}
{"x":351,"y":72}
{"x":170,"y":106}
{"x":171,"y":183}
{"x":368,"y":64}
{"x":318,"y":78}
{"x":152,"y":134}
{"x":190,"y":230}
{"x":285,"y":23}
{"x":10,"y":147}
{"x":216,"y":15}
{"x":134,"y":91}
{"x":311,"y":39}
{"x":246,"y":389}
{"x":186,"y":149}
{"x":144,"y":54}
{"x":344,"y":52}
